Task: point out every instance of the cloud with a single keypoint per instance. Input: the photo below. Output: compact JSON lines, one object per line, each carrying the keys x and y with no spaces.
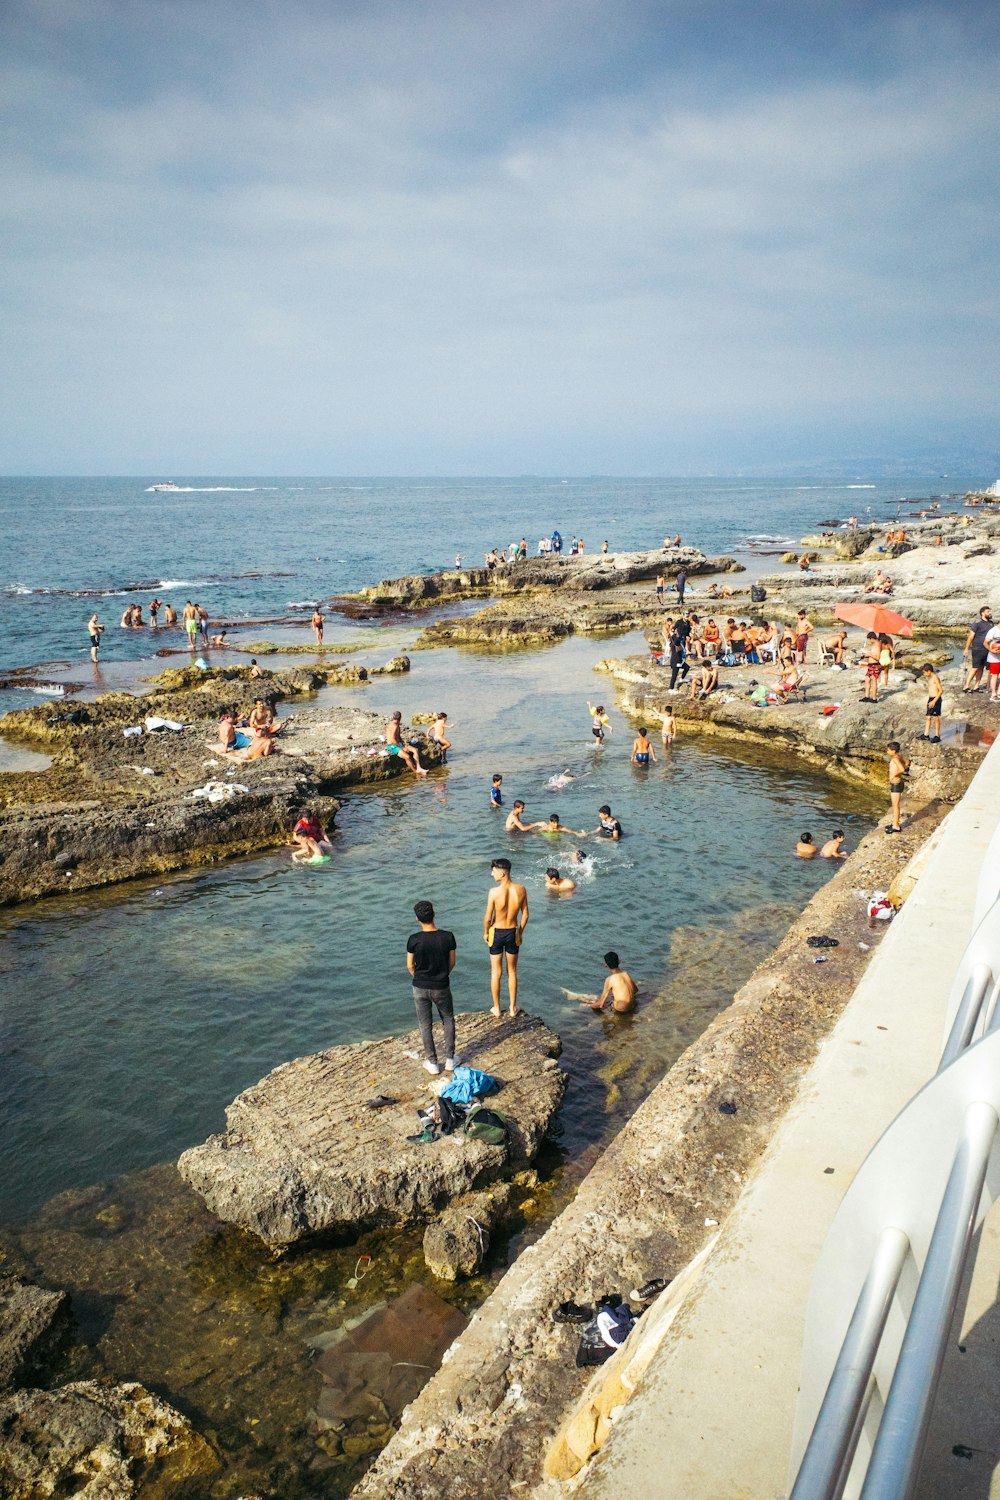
{"x":324,"y":244}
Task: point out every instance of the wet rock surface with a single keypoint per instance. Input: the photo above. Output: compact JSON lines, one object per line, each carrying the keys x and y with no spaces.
{"x":483,"y":1423}
{"x":304,"y":1155}
{"x":98,"y":1442}
{"x":34,"y":1324}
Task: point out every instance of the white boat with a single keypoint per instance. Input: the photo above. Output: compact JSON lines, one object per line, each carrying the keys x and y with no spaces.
{"x":166,"y":485}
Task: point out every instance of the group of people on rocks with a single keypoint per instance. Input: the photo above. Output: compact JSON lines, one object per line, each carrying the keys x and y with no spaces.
{"x":250,"y":736}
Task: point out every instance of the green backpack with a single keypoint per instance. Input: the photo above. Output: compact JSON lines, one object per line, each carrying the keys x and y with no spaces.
{"x":488,"y":1125}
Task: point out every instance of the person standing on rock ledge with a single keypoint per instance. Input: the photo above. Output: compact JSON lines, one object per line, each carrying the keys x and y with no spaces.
{"x":430,"y":958}
{"x":503,"y":928}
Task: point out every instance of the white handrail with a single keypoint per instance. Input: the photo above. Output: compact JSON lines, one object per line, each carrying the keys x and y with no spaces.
{"x":888,"y":1278}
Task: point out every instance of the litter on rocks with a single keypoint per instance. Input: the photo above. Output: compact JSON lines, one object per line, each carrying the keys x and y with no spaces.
{"x":154,"y":723}
{"x":132,"y":729}
{"x":823,"y":942}
{"x":880,"y":908}
{"x":220,"y":791}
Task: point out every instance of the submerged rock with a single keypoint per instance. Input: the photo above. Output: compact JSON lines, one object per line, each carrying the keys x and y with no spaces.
{"x":97,"y":1442}
{"x":456,"y":1244}
{"x":305,"y":1153}
{"x":33,"y":1324}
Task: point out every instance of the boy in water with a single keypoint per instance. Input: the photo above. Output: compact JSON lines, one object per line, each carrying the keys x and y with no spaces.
{"x":608,"y":827}
{"x":668,"y":731}
{"x":553,"y":828}
{"x":496,"y":795}
{"x":833,"y":848}
{"x":805,"y":848}
{"x":642,"y":749}
{"x":899,"y":768}
{"x":619,"y":987}
{"x":514,"y":824}
{"x":309,"y":837}
{"x":438,"y":734}
{"x":503,"y":929}
{"x":556,"y":882}
{"x":601,"y":722}
{"x":932,"y":718}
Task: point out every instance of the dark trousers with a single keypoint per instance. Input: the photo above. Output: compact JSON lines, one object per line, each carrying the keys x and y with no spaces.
{"x":675,"y":667}
{"x":425,"y":1002}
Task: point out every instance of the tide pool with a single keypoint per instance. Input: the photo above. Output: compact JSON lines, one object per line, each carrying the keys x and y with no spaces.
{"x":133,"y":1017}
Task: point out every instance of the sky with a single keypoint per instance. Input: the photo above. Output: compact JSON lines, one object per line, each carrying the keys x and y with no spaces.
{"x":497,"y":236}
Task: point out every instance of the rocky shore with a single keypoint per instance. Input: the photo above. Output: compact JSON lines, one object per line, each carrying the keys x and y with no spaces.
{"x":115,"y":805}
{"x":86,"y":1437}
{"x":539,"y":600}
{"x":329,"y":1144}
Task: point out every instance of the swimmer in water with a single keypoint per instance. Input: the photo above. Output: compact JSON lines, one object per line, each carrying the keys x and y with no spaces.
{"x":619,"y":987}
{"x":309,"y":837}
{"x":805,"y":848}
{"x":642,"y":749}
{"x":556,"y":882}
{"x":556,"y":783}
{"x":833,"y":848}
{"x":514,"y":824}
{"x":553,"y":828}
{"x":581,"y":857}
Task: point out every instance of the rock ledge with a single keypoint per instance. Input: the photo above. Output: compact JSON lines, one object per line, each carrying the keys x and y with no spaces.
{"x":305,"y":1154}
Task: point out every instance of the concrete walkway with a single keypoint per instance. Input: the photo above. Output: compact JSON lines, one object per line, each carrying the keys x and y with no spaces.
{"x":713,"y":1417}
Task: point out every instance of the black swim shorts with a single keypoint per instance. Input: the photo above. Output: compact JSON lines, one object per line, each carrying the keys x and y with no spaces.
{"x":504,"y":940}
{"x":979,"y":657}
{"x":933,"y":710}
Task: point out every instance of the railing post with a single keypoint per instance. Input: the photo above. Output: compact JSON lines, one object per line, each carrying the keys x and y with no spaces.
{"x":896,"y":1456}
{"x":826,"y":1462}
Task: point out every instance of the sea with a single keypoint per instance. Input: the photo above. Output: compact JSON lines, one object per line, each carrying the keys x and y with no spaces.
{"x":131,"y":1017}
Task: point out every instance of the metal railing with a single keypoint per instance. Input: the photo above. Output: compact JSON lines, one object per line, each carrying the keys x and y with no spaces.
{"x":890,"y":1274}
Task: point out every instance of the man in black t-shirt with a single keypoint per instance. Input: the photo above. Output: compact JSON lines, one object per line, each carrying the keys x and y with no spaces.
{"x":975,"y":649}
{"x":430,"y":958}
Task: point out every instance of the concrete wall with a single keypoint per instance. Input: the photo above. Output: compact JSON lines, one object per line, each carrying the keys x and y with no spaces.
{"x":713,"y":1416}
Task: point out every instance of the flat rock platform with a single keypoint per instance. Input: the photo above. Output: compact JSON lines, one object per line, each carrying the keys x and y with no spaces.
{"x":306,"y":1153}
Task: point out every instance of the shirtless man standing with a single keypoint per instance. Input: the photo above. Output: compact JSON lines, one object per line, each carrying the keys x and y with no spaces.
{"x":317,"y":625}
{"x":503,"y":928}
{"x":619,"y":987}
{"x":95,"y":630}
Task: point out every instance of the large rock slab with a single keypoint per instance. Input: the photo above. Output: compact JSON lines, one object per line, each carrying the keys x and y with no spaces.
{"x":97,"y":1442}
{"x":33,"y":1323}
{"x":305,"y":1154}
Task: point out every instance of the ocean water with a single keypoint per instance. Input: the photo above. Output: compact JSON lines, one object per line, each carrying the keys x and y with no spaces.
{"x":258,"y":547}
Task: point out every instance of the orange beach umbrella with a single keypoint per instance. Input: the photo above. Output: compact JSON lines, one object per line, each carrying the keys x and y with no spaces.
{"x":874,"y":617}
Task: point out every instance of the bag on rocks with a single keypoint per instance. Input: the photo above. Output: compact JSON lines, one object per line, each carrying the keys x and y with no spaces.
{"x":448,"y":1115}
{"x":487,"y":1125}
{"x":758,"y":593}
